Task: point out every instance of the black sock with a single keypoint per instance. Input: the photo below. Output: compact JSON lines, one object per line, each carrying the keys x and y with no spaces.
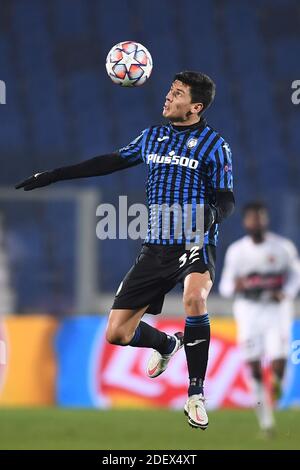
{"x":196,"y":345}
{"x":146,"y":336}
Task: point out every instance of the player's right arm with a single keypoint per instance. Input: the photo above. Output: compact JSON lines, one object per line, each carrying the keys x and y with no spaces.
{"x":229,"y":276}
{"x":126,"y":157}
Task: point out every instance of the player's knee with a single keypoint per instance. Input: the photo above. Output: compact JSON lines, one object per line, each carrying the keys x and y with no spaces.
{"x":278,"y":367}
{"x":195,"y":299}
{"x":118,"y":336}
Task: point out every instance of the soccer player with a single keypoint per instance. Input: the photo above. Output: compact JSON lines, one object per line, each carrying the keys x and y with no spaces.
{"x":262,"y":271}
{"x":190,"y":173}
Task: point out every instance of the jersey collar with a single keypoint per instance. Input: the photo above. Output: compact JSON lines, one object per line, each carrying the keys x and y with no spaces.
{"x":200,"y":125}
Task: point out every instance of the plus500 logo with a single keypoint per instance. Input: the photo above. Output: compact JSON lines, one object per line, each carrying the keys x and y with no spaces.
{"x":172,"y":159}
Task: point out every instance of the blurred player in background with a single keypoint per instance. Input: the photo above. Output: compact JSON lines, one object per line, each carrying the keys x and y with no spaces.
{"x":262,"y":271}
{"x":189,"y":166}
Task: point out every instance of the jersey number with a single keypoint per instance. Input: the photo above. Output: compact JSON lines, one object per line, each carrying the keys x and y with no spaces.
{"x":193,"y":256}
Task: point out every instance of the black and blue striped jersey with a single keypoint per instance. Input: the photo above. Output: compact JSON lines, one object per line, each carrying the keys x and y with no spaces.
{"x":185,"y":169}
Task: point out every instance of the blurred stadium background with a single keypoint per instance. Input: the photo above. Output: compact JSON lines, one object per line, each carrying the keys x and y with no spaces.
{"x":55,"y":276}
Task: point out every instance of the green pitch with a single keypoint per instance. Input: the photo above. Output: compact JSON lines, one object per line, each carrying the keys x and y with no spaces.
{"x":54,"y":428}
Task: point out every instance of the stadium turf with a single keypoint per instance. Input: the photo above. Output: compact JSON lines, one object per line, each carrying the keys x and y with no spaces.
{"x":54,"y":428}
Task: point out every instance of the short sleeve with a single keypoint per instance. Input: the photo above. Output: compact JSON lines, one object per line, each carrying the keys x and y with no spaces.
{"x":220,"y":168}
{"x":133,"y":151}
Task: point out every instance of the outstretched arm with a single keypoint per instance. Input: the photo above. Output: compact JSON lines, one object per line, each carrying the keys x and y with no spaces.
{"x":97,"y":166}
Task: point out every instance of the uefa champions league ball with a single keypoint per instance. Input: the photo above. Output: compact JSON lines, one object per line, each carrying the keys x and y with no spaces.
{"x":129,"y":64}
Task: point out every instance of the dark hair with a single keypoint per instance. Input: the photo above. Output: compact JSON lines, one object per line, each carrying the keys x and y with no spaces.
{"x":202,"y":88}
{"x":255,"y":206}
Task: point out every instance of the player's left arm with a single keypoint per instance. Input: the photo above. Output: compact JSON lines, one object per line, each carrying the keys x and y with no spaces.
{"x":221,"y":180}
{"x":292,"y":284}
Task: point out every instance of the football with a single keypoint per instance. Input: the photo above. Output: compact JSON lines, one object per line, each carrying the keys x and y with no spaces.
{"x":129,"y":64}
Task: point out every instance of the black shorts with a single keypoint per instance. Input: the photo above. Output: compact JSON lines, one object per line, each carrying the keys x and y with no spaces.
{"x":157,"y":269}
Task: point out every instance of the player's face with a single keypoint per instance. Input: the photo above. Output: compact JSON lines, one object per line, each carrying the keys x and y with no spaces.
{"x":178,"y":107}
{"x":256,"y":222}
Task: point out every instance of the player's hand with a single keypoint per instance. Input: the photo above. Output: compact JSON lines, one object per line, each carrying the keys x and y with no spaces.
{"x":210,"y":216}
{"x":277,"y":296}
{"x":240,"y":284}
{"x":36,"y":181}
